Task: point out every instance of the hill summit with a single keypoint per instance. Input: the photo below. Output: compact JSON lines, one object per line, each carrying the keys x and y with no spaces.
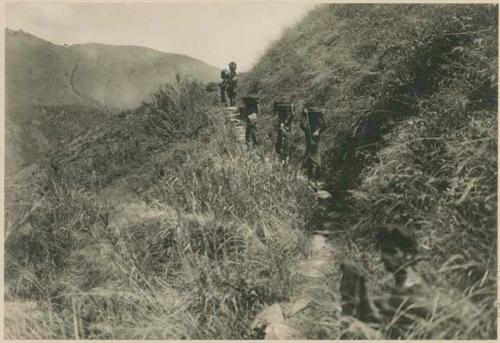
{"x":116,"y":77}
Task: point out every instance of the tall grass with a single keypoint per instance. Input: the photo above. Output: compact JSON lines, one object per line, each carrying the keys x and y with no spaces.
{"x":159,"y":226}
{"x":210,"y":242}
{"x":411,"y":99}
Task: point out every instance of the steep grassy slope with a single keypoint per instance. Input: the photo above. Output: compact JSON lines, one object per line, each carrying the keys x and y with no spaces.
{"x":411,"y":98}
{"x":37,"y":72}
{"x":421,"y":78}
{"x":31,"y":132}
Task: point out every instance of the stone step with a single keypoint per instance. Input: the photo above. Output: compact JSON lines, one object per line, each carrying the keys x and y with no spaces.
{"x":272,"y":320}
{"x":271,"y":314}
{"x":291,"y":308}
{"x":280,"y":331}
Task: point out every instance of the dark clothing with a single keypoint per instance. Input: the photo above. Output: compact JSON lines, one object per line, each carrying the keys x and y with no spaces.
{"x":232,"y":82}
{"x":281,"y":146}
{"x":223,"y":92}
{"x":312,"y":159}
{"x":284,"y":127}
{"x":356,"y":301}
{"x":313,"y":124}
{"x":251,"y":135}
{"x":249,"y":112}
{"x":224,"y":75}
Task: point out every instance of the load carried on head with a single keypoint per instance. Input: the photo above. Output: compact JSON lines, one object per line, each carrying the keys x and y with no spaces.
{"x":285,"y":113}
{"x":232,"y":67}
{"x":224,"y":74}
{"x":250,"y":108}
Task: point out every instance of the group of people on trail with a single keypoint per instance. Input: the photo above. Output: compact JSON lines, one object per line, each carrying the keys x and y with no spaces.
{"x":312,"y":122}
{"x":398,"y":248}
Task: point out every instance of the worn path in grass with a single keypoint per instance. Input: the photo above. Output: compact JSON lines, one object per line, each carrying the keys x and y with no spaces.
{"x":278,"y":320}
{"x":315,"y":276}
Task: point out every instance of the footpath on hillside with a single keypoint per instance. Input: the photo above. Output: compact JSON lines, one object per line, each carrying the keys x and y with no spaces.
{"x":313,"y":300}
{"x":278,"y":321}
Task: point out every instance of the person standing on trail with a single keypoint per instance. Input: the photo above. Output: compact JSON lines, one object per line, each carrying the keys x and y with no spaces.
{"x":313,"y":124}
{"x":249,"y":113}
{"x":232,"y":83}
{"x":283,"y":128}
{"x":224,"y":75}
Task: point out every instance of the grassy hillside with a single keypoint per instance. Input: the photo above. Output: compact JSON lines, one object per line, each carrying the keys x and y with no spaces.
{"x":32,"y":131}
{"x":156,"y":224}
{"x":127,"y":75}
{"x":116,"y":77}
{"x":37,"y":72}
{"x":141,"y":231}
{"x":411,"y":98}
{"x":410,"y":93}
{"x":54,"y":93}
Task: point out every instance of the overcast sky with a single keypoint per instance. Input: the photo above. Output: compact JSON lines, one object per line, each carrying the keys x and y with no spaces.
{"x":215,"y":33}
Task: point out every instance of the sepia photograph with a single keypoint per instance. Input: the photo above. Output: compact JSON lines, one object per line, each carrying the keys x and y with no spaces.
{"x":250,"y":171}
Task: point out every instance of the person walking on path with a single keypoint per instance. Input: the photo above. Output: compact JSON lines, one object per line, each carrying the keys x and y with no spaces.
{"x":249,"y":114}
{"x":232,"y":83}
{"x":283,"y":128}
{"x":313,"y":124}
{"x":223,"y":85}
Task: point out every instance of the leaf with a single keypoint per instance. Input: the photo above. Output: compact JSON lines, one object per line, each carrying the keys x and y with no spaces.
{"x":470,"y":184}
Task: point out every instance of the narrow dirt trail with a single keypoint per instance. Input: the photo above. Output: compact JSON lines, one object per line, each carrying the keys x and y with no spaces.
{"x":279,"y":320}
{"x":321,"y":254}
{"x":282,"y":321}
{"x":72,"y":79}
{"x":276,"y":320}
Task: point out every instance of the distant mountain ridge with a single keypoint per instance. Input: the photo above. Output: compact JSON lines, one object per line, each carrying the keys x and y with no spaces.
{"x":39,"y":72}
{"x":55,"y":93}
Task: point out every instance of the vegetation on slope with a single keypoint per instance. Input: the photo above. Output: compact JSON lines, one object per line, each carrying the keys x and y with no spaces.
{"x":203,"y":242}
{"x":51,"y":89}
{"x":33,"y":131}
{"x":157,"y":225}
{"x":411,"y":98}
